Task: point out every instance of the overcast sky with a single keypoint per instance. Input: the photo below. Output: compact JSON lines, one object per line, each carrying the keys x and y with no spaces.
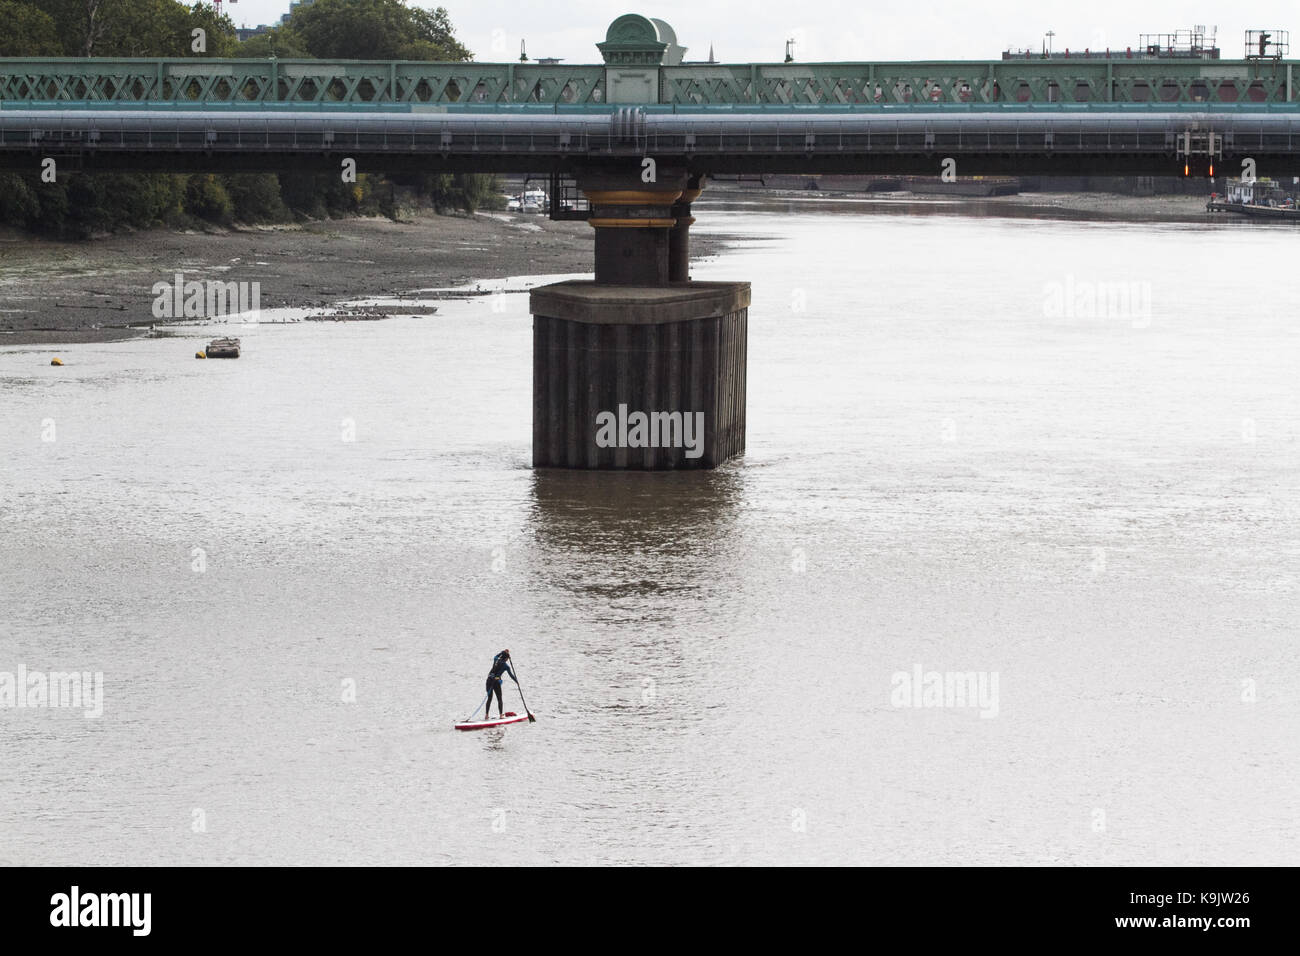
{"x":756,"y":31}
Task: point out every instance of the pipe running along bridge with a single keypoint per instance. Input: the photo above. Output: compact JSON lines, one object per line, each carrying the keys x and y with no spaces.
{"x":640,"y":133}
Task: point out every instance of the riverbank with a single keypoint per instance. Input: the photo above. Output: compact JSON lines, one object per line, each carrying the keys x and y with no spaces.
{"x":101,"y":290}
{"x":1095,"y":206}
{"x":1110,"y":206}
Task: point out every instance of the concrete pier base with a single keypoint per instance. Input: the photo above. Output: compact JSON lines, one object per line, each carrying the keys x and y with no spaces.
{"x":639,"y":377}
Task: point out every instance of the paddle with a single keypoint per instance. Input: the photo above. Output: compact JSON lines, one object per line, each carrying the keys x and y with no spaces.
{"x":531,"y":718}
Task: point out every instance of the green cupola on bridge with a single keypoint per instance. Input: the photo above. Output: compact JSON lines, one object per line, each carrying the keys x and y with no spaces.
{"x":635,"y":48}
{"x":634,"y":40}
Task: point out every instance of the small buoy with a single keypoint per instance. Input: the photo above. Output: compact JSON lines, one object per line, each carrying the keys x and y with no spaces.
{"x":56,"y":361}
{"x":199,"y":355}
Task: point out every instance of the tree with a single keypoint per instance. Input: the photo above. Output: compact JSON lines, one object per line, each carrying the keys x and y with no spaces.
{"x":220,"y":30}
{"x":277,"y":42}
{"x":83,"y":24}
{"x":137,"y":27}
{"x":83,"y":204}
{"x":18,"y":203}
{"x":374,"y":30}
{"x":435,"y":39}
{"x":206,"y":197}
{"x":255,"y":197}
{"x":28,"y":31}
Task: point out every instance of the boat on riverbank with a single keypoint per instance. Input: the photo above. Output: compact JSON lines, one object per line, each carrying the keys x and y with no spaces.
{"x":223,"y":348}
{"x":1260,"y":199}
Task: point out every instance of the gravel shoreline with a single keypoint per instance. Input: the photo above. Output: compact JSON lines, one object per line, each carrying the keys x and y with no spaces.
{"x":101,"y":290}
{"x":1101,"y":207}
{"x":1114,"y":207}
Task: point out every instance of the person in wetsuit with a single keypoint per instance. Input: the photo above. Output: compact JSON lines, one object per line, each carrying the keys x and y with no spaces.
{"x":500,"y":665}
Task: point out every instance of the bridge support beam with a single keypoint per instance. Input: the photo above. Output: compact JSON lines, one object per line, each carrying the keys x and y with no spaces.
{"x":641,"y":368}
{"x":679,"y":237}
{"x":632,"y":220}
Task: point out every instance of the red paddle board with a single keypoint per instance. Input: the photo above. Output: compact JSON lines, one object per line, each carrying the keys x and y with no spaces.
{"x":509,"y":717}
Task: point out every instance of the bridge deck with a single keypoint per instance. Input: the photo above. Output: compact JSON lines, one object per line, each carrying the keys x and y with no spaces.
{"x":1118,"y":141}
{"x":1118,"y":115}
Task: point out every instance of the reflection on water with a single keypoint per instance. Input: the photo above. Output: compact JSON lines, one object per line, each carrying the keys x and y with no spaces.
{"x":635,"y":539}
{"x":615,"y":514}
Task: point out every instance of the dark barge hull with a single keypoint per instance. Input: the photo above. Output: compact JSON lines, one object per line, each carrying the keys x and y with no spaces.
{"x":1259,"y":212}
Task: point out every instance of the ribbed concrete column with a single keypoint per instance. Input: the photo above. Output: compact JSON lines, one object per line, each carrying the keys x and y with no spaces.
{"x":639,"y":378}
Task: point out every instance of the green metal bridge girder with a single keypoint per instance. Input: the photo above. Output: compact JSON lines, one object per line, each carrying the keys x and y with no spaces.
{"x":202,"y":81}
{"x":191,"y":82}
{"x":1151,"y":81}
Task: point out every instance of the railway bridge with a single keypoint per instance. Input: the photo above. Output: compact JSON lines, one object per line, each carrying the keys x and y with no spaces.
{"x":639,"y":134}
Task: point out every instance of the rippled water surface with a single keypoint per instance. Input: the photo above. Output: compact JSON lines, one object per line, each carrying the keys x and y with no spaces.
{"x":944,"y":470}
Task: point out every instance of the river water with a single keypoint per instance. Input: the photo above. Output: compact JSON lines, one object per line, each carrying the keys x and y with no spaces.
{"x":1060,"y":457}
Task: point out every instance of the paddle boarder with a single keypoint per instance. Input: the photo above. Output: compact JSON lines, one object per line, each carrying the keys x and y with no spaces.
{"x":500,"y":665}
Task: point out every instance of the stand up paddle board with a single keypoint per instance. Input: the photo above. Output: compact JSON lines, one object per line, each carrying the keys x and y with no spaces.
{"x":509,"y":717}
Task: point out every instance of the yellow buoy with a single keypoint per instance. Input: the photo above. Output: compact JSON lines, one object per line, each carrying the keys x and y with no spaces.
{"x":199,"y":355}
{"x":56,"y":361}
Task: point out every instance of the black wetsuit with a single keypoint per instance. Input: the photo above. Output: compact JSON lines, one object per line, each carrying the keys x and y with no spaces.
{"x":500,"y":665}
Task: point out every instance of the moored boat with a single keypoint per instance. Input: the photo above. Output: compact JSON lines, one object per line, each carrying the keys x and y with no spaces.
{"x":223,"y":348}
{"x":1261,"y":199}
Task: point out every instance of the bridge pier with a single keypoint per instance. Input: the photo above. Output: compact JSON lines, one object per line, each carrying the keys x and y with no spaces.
{"x":641,"y":368}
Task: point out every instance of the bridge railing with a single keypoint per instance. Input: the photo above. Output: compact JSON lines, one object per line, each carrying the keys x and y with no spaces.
{"x":412,"y":84}
{"x":299,"y":82}
{"x":1110,"y":81}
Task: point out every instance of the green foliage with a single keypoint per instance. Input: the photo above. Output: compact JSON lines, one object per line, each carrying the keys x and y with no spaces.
{"x":52,"y":203}
{"x":83,"y":204}
{"x":374,"y":30}
{"x":18,"y":203}
{"x":447,"y":192}
{"x":86,"y":213}
{"x":279,"y":43}
{"x":206,"y":198}
{"x":303,"y":195}
{"x":78,"y":205}
{"x":325,"y":195}
{"x":28,"y":31}
{"x":139,"y":200}
{"x":220,"y":30}
{"x":137,"y":27}
{"x":255,"y":197}
{"x":480,"y":191}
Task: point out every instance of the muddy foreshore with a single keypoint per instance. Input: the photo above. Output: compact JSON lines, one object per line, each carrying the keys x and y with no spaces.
{"x":101,"y":290}
{"x":1093,"y":206}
